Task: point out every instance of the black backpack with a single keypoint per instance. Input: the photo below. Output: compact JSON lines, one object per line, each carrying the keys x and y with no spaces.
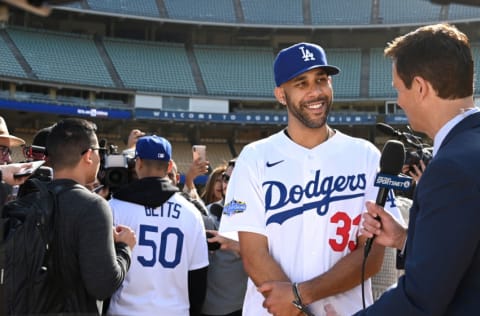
{"x":27,"y":230}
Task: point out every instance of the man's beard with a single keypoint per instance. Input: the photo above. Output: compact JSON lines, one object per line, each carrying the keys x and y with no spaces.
{"x":300,"y":113}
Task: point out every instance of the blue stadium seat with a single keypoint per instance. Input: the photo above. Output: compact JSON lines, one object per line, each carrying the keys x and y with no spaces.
{"x":409,"y":11}
{"x":137,"y":7}
{"x":62,"y":57}
{"x":380,"y":75}
{"x":276,"y":12}
{"x":152,"y":66}
{"x":463,"y":12}
{"x":341,"y":12}
{"x":8,"y":63}
{"x":201,"y":10}
{"x":347,"y":83}
{"x":286,"y":12}
{"x":236,"y":71}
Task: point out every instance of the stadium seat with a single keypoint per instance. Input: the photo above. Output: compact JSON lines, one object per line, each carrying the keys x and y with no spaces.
{"x":137,"y":7}
{"x":203,"y":10}
{"x":61,"y":57}
{"x":275,"y":12}
{"x":152,"y":66}
{"x":236,"y":71}
{"x":9,"y":65}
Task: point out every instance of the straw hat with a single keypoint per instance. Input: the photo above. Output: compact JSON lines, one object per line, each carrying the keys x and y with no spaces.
{"x":6,"y":139}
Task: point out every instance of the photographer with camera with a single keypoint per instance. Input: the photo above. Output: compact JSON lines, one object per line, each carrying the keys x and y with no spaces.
{"x":170,"y":271}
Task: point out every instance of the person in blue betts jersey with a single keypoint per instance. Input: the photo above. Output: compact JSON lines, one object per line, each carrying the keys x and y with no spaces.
{"x":296,"y":198}
{"x":168,"y":275}
{"x":433,"y":73}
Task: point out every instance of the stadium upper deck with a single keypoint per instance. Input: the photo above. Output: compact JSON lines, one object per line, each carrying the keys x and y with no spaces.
{"x":285,"y":13}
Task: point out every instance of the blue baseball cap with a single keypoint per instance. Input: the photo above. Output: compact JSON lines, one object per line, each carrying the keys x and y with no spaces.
{"x":153,"y":148}
{"x":299,"y":58}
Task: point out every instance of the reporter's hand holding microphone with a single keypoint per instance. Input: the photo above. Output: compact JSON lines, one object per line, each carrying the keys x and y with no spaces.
{"x":381,"y":224}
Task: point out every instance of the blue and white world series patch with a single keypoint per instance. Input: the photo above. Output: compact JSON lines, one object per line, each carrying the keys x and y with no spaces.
{"x":234,"y":207}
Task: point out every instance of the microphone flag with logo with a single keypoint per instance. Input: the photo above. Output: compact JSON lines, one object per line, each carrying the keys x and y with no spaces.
{"x":391,"y":162}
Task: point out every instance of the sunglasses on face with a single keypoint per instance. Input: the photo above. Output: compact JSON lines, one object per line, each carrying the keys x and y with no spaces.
{"x":92,"y":148}
{"x":4,"y":150}
{"x":225,"y":177}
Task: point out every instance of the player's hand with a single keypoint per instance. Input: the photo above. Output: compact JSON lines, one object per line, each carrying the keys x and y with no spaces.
{"x":125,"y":234}
{"x":278,"y":298}
{"x":388,"y":231}
{"x":9,"y":170}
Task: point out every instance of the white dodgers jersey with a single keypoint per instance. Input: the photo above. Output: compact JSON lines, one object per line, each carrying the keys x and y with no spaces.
{"x":308,"y":203}
{"x":170,"y":242}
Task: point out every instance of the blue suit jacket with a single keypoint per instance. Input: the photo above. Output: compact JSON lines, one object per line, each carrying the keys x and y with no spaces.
{"x":442,"y":267}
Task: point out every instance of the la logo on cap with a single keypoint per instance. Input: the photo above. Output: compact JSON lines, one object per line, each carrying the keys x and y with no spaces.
{"x":306,"y":54}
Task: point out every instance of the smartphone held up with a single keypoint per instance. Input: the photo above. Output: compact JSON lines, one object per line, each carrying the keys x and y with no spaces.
{"x":199,"y":151}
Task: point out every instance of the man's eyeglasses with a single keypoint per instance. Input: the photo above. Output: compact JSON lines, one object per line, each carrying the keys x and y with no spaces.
{"x":92,"y":148}
{"x":4,"y":150}
{"x":225,"y":177}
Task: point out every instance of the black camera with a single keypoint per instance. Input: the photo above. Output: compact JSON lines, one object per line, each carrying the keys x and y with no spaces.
{"x":212,"y":246}
{"x":37,"y":153}
{"x":416,"y":149}
{"x":413,"y":156}
{"x":116,"y":169}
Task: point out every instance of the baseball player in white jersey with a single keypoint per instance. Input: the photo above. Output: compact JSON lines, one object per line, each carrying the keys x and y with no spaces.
{"x":296,"y":199}
{"x":167,"y":275}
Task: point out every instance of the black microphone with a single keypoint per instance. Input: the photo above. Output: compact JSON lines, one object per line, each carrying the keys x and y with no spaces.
{"x":391,"y":162}
{"x":216,"y":209}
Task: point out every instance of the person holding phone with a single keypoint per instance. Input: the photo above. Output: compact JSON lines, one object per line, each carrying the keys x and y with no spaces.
{"x":199,"y":166}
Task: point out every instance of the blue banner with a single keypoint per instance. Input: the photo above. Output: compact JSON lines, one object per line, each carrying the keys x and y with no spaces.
{"x":183,"y":116}
{"x":248,"y":118}
{"x":65,"y":109}
{"x":396,"y":119}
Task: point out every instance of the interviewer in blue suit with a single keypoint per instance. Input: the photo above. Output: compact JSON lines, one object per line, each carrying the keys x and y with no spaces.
{"x":433,"y":74}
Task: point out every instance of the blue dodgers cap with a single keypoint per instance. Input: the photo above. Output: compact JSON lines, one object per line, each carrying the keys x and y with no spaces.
{"x":299,"y":58}
{"x":153,"y":148}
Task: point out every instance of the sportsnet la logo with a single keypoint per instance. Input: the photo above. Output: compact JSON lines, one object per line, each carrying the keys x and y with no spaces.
{"x":306,"y":54}
{"x":389,"y":181}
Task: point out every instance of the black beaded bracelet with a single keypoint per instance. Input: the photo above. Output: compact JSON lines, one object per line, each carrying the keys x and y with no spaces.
{"x":298,"y":301}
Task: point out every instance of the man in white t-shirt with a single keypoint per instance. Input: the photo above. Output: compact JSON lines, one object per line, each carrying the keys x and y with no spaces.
{"x":169,"y":264}
{"x":296,"y":199}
